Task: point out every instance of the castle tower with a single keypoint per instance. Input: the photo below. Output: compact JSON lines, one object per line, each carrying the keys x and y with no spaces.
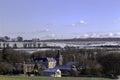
{"x":59,"y":58}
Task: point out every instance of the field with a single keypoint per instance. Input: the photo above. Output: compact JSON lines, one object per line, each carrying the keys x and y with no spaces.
{"x":47,"y":78}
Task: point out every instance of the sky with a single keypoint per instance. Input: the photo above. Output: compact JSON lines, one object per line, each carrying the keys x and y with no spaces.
{"x":59,"y":19}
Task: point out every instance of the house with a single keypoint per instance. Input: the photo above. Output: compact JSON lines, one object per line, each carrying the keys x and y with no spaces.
{"x":53,"y":72}
{"x":67,"y":69}
{"x":42,"y":63}
{"x":51,"y":65}
{"x":50,"y":62}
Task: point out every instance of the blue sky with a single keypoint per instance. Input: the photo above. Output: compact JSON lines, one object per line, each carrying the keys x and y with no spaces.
{"x":47,"y":19}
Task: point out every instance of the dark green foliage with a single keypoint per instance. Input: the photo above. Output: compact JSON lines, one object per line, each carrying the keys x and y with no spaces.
{"x":12,"y":56}
{"x":110,"y":63}
{"x":43,"y":54}
{"x":93,"y":61}
{"x":6,"y":68}
{"x":36,"y":66}
{"x":9,"y":58}
{"x":19,"y":38}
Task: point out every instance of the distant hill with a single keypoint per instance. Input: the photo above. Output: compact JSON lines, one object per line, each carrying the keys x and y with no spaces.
{"x":82,"y":39}
{"x":69,"y":40}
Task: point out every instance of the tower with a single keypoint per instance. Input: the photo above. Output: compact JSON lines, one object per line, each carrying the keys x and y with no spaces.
{"x":59,"y":58}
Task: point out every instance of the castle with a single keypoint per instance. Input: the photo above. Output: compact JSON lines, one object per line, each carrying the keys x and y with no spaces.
{"x":43,"y":63}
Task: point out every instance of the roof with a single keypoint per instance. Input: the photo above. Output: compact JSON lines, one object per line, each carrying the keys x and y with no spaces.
{"x":51,"y":70}
{"x":72,"y":63}
{"x":68,"y":66}
{"x":40,"y":59}
{"x":51,"y":60}
{"x":64,"y":67}
{"x":44,"y":60}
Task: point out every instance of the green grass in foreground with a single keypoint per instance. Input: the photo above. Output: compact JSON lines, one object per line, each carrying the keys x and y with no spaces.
{"x":47,"y":78}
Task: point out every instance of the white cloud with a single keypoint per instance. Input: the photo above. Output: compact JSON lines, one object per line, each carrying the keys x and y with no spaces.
{"x":86,"y":35}
{"x":83,"y":22}
{"x":95,"y":35}
{"x":110,"y":34}
{"x":118,"y":33}
{"x":49,"y":36}
{"x":73,"y":24}
{"x":80,"y":23}
{"x":99,"y":35}
{"x":53,"y":35}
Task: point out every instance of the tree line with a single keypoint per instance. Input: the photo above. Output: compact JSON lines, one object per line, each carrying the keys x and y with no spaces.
{"x":93,"y":61}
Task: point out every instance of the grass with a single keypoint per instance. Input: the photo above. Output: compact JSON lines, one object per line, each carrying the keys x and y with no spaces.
{"x":47,"y":78}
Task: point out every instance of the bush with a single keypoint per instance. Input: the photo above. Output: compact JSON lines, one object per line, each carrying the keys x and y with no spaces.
{"x":5,"y":68}
{"x":110,"y":63}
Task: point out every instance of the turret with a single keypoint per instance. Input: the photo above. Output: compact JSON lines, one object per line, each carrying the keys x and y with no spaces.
{"x":59,"y":58}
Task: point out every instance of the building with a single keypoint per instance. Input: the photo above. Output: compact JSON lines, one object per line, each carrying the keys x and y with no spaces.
{"x":44,"y":63}
{"x":51,"y":66}
{"x":67,"y":69}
